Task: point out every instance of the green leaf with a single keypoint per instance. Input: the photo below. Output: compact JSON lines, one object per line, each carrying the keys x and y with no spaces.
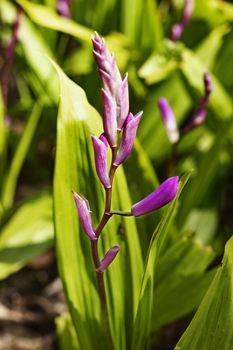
{"x":48,"y":18}
{"x":211,"y":327}
{"x":212,"y":44}
{"x":202,"y":181}
{"x":11,"y":178}
{"x":142,"y":27}
{"x":75,"y":170}
{"x":66,"y":335}
{"x":34,"y":49}
{"x":27,"y":234}
{"x":193,"y":70}
{"x":181,"y":280}
{"x":142,"y":325}
{"x":203,"y":223}
{"x":2,"y":142}
{"x":157,"y":68}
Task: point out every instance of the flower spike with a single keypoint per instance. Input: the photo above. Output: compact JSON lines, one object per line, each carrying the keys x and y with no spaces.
{"x":164,"y":194}
{"x":100,"y":146}
{"x":169,"y":120}
{"x":113,"y":85}
{"x":129,"y":134}
{"x":108,"y":258}
{"x":84,"y":215}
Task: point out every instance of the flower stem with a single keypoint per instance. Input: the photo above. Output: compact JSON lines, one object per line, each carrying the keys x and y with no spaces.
{"x":95,"y":255}
{"x":122,"y":213}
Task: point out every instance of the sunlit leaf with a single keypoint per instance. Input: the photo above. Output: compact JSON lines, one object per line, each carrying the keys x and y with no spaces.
{"x":28,"y":233}
{"x":215,"y":312}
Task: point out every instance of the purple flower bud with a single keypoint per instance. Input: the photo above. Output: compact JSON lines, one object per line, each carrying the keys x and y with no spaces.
{"x":109,"y":118}
{"x":187,"y":12}
{"x":108,"y":258}
{"x":129,"y":134}
{"x":101,"y":159}
{"x":169,"y":120}
{"x":63,"y":8}
{"x":122,"y":103}
{"x":200,"y":113}
{"x":176,"y":31}
{"x":164,"y":194}
{"x":178,"y":28}
{"x":84,"y":215}
{"x":105,"y":60}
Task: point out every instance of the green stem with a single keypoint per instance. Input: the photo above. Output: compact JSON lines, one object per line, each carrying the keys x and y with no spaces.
{"x":122,"y":213}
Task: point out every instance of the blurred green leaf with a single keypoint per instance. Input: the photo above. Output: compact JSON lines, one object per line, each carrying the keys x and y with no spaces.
{"x":181,"y":280}
{"x":66,"y":335}
{"x":212,"y":44}
{"x":203,"y":223}
{"x":215,"y":312}
{"x":45,"y":16}
{"x":11,"y":178}
{"x":157,"y":68}
{"x":75,"y":170}
{"x":27,"y":234}
{"x":142,"y":325}
{"x":34,"y":49}
{"x":2,"y":142}
{"x":141,"y":23}
{"x":193,"y":70}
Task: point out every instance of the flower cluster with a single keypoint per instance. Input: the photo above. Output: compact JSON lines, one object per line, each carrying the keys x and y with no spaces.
{"x":198,"y":117}
{"x":120,"y":128}
{"x":178,"y":28}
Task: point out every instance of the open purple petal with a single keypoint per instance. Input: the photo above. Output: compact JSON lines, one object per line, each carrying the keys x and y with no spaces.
{"x":108,"y":258}
{"x":84,"y":215}
{"x":129,"y":134}
{"x":101,"y":159}
{"x":164,"y":194}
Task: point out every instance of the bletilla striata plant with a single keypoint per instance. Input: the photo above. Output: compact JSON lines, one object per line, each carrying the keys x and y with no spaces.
{"x":120,"y":127}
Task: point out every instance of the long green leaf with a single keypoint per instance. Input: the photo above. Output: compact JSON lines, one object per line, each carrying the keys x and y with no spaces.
{"x":66,"y":335}
{"x":46,"y":17}
{"x":212,"y":325}
{"x":181,"y":280}
{"x":11,"y":178}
